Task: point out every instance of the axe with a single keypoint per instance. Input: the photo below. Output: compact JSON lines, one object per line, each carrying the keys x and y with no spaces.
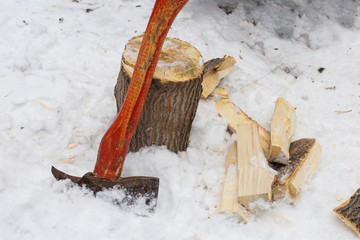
{"x":115,"y":143}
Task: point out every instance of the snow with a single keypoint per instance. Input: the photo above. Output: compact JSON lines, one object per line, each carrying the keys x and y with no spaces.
{"x":59,"y":61}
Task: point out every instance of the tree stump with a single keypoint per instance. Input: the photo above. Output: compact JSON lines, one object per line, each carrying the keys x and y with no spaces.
{"x":173,"y":96}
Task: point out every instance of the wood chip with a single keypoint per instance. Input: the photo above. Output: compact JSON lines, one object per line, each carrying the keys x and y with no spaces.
{"x":45,"y":106}
{"x":72,"y":145}
{"x":281,"y":219}
{"x":69,"y":160}
{"x":221,"y":92}
{"x":342,"y":112}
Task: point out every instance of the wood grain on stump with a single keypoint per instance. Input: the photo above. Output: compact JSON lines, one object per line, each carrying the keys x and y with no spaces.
{"x":173,"y":97}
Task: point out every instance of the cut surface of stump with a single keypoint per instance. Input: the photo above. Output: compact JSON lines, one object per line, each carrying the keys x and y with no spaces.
{"x":349,"y":212}
{"x":229,"y":199}
{"x":282,"y":129}
{"x":255,"y":176}
{"x":305,"y":155}
{"x":234,"y":116}
{"x":173,"y":96}
{"x":215,"y":70}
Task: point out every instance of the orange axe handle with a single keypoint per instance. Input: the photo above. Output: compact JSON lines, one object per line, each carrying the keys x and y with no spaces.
{"x":115,"y":143}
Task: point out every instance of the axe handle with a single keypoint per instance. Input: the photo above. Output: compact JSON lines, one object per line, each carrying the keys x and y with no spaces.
{"x":115,"y":143}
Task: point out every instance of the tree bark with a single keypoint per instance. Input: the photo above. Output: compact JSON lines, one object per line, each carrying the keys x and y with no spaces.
{"x":173,"y":96}
{"x":349,"y":212}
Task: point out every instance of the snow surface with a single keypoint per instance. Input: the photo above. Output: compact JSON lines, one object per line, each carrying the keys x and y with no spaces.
{"x":58,"y":66}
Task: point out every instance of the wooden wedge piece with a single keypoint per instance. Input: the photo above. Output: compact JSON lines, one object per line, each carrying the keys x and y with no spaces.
{"x":234,"y":115}
{"x":229,"y":201}
{"x":255,"y":176}
{"x":282,"y":129}
{"x":214,"y":71}
{"x":349,"y":212}
{"x":304,"y":159}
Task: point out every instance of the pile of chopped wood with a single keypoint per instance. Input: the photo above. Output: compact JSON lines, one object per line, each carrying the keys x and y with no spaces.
{"x":262,"y":164}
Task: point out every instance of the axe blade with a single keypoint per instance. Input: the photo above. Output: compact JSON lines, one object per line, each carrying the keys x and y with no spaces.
{"x":135,"y":188}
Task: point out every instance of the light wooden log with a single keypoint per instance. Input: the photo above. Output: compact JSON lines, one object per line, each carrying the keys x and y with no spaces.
{"x":229,"y":199}
{"x":282,"y":129}
{"x":349,"y":212}
{"x":234,"y":116}
{"x":215,"y":70}
{"x":173,"y":96}
{"x":305,"y":155}
{"x":255,"y":176}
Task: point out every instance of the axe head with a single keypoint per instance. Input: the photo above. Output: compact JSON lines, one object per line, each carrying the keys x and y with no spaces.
{"x":135,"y":188}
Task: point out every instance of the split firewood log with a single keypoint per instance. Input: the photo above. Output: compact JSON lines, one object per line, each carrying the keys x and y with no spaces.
{"x":234,"y":116}
{"x":349,"y":212}
{"x":173,"y":96}
{"x":305,"y":155}
{"x":282,"y":129}
{"x":229,"y":199}
{"x":215,"y":70}
{"x":255,"y":176}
